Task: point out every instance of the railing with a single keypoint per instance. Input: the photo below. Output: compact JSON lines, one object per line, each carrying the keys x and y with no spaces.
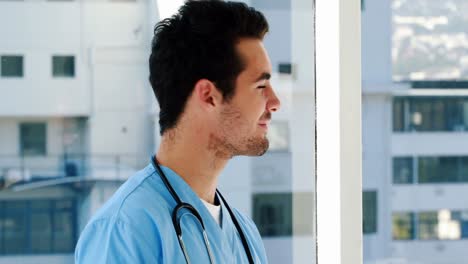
{"x":18,"y":169}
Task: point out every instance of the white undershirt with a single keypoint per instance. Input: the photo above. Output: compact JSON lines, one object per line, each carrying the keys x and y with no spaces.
{"x":215,"y":211}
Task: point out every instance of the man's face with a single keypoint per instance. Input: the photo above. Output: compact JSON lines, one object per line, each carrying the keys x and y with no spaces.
{"x":243,"y":120}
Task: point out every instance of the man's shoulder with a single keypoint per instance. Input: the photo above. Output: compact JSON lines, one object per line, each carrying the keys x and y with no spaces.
{"x":130,"y":219}
{"x":133,"y":201}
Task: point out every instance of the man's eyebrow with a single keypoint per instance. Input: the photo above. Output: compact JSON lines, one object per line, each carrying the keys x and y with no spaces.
{"x":263,"y":76}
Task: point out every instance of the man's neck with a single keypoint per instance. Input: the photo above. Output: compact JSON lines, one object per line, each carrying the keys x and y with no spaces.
{"x":194,"y":161}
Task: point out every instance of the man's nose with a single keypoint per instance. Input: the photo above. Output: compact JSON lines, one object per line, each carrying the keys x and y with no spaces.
{"x":274,"y":103}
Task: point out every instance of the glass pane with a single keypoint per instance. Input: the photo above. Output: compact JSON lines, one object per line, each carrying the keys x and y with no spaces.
{"x":439,"y":169}
{"x":272,"y":214}
{"x":41,"y":205}
{"x":64,"y":205}
{"x":402,"y":170}
{"x":414,"y":86}
{"x":448,"y":169}
{"x":463,"y":219}
{"x":41,"y":232}
{"x":97,"y":78}
{"x":427,"y":225}
{"x":449,"y":226}
{"x":14,"y":232}
{"x":423,"y":55}
{"x":63,"y":66}
{"x":12,"y":66}
{"x":33,"y":139}
{"x":428,"y":169}
{"x":279,"y":136}
{"x":403,"y":226}
{"x":13,"y":205}
{"x":398,"y":114}
{"x":369,"y":209}
{"x":464,"y":169}
{"x":64,"y":237}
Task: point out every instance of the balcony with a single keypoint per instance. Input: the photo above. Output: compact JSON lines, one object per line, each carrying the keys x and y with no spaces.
{"x":24,"y":172}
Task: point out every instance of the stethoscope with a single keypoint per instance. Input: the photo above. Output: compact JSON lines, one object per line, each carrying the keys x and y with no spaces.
{"x":181,"y":205}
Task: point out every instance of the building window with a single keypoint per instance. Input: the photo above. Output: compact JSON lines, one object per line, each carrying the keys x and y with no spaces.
{"x":33,"y":139}
{"x":443,"y":225}
{"x":402,"y":170}
{"x":460,"y":219}
{"x":398,"y":115}
{"x":426,"y":114}
{"x":63,"y":66}
{"x":427,"y":225}
{"x":369,"y":210}
{"x":432,"y":225}
{"x":272,"y":213}
{"x":37,"y":226}
{"x":12,"y":66}
{"x":430,"y":169}
{"x":403,"y":226}
{"x":439,"y":169}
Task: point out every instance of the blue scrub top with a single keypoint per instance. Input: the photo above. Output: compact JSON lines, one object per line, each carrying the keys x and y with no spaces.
{"x":135,"y":226}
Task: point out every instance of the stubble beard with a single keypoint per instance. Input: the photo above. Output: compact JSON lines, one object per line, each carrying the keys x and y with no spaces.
{"x":233,"y":141}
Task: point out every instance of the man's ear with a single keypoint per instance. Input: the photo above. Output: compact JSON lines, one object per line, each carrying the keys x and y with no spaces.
{"x":206,"y":93}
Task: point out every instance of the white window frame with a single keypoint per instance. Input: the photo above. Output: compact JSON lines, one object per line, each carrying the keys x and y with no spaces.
{"x":338,"y":131}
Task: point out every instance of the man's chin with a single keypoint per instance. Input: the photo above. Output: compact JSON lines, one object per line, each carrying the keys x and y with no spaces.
{"x":260,"y":147}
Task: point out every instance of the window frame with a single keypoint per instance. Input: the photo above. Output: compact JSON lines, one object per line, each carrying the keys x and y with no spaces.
{"x":27,"y":212}
{"x":40,"y":153}
{"x":55,"y":71}
{"x":20,"y":75}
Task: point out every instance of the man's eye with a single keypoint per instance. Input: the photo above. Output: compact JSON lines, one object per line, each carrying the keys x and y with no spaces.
{"x":261,"y":86}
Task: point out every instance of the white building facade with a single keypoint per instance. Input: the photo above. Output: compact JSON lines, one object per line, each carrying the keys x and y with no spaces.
{"x":75,"y":118}
{"x":414,"y":156}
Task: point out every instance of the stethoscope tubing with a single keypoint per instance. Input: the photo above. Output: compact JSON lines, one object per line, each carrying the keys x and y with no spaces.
{"x":181,"y":205}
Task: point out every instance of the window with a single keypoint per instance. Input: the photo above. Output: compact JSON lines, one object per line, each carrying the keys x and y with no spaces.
{"x":273,"y":214}
{"x":430,"y":169}
{"x":461,"y":220}
{"x":369,"y":210}
{"x":403,"y":226}
{"x":432,"y":225}
{"x":12,"y":66}
{"x":439,"y":169}
{"x":443,"y":225}
{"x":64,"y":229}
{"x":37,"y":226}
{"x":430,"y":114}
{"x":13,"y":223}
{"x":63,"y":66}
{"x":33,"y":139}
{"x":402,"y":170}
{"x":398,"y":115}
{"x":427,"y":225}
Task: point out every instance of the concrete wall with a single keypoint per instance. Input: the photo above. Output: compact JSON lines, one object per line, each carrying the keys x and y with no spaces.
{"x":37,"y":39}
{"x":431,"y":252}
{"x":376,"y":133}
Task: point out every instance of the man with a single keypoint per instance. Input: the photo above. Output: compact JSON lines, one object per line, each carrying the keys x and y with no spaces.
{"x":210,"y":74}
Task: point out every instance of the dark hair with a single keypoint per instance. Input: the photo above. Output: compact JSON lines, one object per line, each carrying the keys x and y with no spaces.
{"x":199,"y":42}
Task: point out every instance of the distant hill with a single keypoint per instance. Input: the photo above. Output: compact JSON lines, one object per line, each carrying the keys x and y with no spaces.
{"x":430,"y":40}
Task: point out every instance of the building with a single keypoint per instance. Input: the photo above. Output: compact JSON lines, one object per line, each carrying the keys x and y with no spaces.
{"x":414,"y":143}
{"x":75,"y":118}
